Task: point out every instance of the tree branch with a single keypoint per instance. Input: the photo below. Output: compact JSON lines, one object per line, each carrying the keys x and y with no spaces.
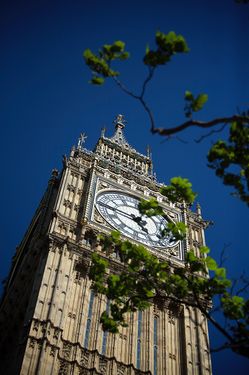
{"x":200,"y":124}
{"x":147,"y":80}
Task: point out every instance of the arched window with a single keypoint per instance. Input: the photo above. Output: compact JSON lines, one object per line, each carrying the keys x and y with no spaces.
{"x":139,"y":328}
{"x":89,"y":319}
{"x":105,"y":333}
{"x":155,"y":344}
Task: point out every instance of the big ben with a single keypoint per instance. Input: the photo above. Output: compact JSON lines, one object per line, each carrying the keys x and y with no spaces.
{"x":50,"y":315}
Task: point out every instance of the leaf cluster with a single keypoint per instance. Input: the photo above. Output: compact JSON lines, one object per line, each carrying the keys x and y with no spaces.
{"x":179,"y":190}
{"x":150,"y":207}
{"x":177,"y":231}
{"x":167,"y":46}
{"x":193,"y":104}
{"x":145,"y":277}
{"x":231,"y":159}
{"x":100,"y":63}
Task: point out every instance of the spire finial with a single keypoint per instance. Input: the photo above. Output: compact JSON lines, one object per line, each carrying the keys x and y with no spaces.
{"x":198,"y":209}
{"x":103,"y":132}
{"x":81,"y":140}
{"x":119,"y":121}
{"x":148,"y":151}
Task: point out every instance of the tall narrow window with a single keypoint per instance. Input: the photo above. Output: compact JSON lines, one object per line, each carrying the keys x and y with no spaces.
{"x":155,"y":344}
{"x":89,"y":318}
{"x":139,"y":328}
{"x":105,"y":333}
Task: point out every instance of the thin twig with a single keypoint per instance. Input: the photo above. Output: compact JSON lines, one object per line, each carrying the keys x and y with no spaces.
{"x":210,"y":133}
{"x":222,"y":255}
{"x":125,"y":89}
{"x":174,"y":137}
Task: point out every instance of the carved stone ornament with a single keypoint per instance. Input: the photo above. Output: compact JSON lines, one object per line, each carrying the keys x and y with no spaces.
{"x":171,"y":317}
{"x":84,"y":358}
{"x":84,"y":371}
{"x":52,"y":351}
{"x":67,"y":203}
{"x":64,"y":367}
{"x":67,"y":347}
{"x":32,"y":343}
{"x":56,"y":333}
{"x":102,"y":365}
{"x":121,"y":369}
{"x":174,"y":251}
{"x":172,"y":356}
{"x":103,"y":185}
{"x":98,"y":218}
{"x":36,"y":325}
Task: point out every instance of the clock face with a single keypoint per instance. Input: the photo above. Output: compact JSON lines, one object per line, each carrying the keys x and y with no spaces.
{"x":120,"y":210}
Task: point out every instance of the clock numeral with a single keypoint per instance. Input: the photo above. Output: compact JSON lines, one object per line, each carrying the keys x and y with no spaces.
{"x":129,"y":230}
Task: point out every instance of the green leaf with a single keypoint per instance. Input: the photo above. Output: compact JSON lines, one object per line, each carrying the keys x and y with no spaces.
{"x":118,"y":46}
{"x":211,"y":263}
{"x":97,"y":80}
{"x":204,"y":250}
{"x":230,"y":160}
{"x":167,"y":46}
{"x":179,"y":190}
{"x":220,"y":272}
{"x":189,"y":96}
{"x":176,"y":230}
{"x":199,"y":102}
{"x":190,"y":256}
{"x":115,"y":236}
{"x":150,"y":207}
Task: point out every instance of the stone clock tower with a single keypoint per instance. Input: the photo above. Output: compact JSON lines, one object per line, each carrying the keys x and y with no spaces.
{"x":49,"y":317}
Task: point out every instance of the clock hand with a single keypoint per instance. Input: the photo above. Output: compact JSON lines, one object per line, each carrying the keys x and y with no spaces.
{"x":133,"y":217}
{"x":140,"y":222}
{"x":129,"y":216}
{"x":138,"y":219}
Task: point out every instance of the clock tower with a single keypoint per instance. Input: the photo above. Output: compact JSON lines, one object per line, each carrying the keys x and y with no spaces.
{"x":49,"y":316}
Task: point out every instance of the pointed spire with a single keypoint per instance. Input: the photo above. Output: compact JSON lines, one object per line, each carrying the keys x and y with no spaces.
{"x":148,"y":151}
{"x":198,"y":209}
{"x":119,"y":137}
{"x":119,"y":121}
{"x":103,"y":130}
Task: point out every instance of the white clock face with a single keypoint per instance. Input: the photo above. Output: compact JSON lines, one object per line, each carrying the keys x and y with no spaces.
{"x":121,"y":211}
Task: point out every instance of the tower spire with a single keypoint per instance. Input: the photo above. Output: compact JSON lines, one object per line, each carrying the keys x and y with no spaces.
{"x":119,"y":122}
{"x":119,"y":137}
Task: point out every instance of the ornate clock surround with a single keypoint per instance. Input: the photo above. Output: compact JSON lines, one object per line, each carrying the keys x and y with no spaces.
{"x":104,"y":185}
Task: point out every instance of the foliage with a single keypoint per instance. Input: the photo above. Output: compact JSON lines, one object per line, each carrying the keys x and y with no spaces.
{"x":223,"y":154}
{"x":233,"y":154}
{"x":144,"y":277}
{"x":167,"y":46}
{"x":194,"y":104}
{"x":100,"y":63}
{"x":179,"y":190}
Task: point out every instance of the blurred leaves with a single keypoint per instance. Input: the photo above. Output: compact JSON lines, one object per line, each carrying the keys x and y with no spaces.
{"x":179,"y":190}
{"x":167,"y":46}
{"x":144,"y":277}
{"x":100,"y":63}
{"x":230,"y":159}
{"x":193,"y":104}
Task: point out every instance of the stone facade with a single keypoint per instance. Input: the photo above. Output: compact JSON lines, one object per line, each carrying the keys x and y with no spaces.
{"x":49,"y":317}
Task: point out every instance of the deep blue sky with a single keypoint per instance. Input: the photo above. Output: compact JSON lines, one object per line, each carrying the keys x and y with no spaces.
{"x":46,"y":101}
